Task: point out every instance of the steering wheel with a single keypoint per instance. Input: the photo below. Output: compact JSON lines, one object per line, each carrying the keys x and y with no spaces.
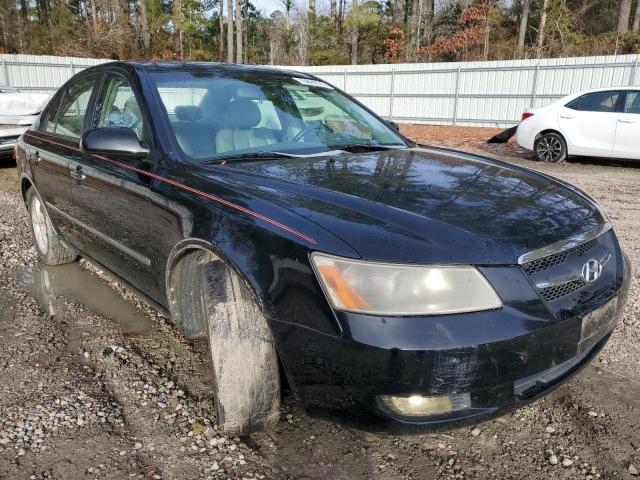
{"x":298,"y":136}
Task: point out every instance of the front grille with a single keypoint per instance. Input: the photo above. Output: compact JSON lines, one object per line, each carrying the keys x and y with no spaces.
{"x":552,"y":293}
{"x":558,"y":276}
{"x":557,"y":258}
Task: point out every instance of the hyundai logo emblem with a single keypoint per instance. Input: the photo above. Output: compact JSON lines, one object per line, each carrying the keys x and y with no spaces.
{"x":591,"y":270}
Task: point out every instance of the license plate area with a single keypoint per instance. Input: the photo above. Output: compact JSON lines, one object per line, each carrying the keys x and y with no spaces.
{"x":597,"y":324}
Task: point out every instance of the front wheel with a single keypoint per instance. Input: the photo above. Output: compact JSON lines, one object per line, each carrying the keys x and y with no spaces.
{"x":550,"y":147}
{"x":50,"y":248}
{"x":243,"y":354}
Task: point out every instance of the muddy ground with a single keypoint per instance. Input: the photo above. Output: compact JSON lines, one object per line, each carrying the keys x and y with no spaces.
{"x":94,"y":384}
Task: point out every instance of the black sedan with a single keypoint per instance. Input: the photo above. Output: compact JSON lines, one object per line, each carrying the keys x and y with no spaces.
{"x":391,"y":285}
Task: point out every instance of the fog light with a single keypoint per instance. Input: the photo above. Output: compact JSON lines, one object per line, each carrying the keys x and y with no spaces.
{"x":423,"y":406}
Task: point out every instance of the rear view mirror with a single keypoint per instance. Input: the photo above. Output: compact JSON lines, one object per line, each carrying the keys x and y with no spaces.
{"x":114,"y":140}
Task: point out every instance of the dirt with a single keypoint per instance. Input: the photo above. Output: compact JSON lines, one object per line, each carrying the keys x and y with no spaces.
{"x":96,"y":384}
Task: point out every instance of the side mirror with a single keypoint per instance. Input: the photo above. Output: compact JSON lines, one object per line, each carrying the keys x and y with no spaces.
{"x":394,"y":125}
{"x":123,"y":141}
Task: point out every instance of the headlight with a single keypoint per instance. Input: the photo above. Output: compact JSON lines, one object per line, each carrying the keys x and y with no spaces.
{"x":397,"y":289}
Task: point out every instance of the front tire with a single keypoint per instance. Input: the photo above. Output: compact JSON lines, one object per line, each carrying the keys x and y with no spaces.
{"x":550,"y":147}
{"x":50,"y":248}
{"x":243,"y":354}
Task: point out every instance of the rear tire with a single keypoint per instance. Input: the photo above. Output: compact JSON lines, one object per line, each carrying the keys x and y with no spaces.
{"x":550,"y":147}
{"x":243,"y":354}
{"x":50,"y":248}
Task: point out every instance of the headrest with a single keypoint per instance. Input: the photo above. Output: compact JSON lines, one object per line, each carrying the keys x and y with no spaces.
{"x":188,"y":113}
{"x":241,"y":113}
{"x":248,"y":90}
{"x":131,"y":105}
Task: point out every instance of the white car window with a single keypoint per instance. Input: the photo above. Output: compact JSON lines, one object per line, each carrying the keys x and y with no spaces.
{"x":632,"y":103}
{"x":596,"y":102}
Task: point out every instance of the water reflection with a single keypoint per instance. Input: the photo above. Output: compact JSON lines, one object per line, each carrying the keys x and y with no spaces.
{"x":54,"y":288}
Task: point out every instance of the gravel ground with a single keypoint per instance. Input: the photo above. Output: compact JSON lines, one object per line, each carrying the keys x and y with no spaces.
{"x":95,"y":384}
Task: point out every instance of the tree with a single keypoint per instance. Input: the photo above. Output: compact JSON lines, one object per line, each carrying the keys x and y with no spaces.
{"x":625,"y":15}
{"x":524,"y":23}
{"x":636,"y":18}
{"x":221,"y":28}
{"x":543,"y":24}
{"x":229,"y":31}
{"x":239,"y":57}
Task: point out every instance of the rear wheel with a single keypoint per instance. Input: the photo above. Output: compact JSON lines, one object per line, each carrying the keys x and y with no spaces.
{"x":246,"y":380}
{"x":50,"y":248}
{"x":550,"y":147}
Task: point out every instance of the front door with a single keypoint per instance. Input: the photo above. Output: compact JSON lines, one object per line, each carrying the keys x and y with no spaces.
{"x":627,"y":143}
{"x":111,"y":197}
{"x":589,"y":123}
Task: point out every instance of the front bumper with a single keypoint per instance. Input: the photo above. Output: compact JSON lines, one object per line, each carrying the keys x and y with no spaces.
{"x":503,"y":359}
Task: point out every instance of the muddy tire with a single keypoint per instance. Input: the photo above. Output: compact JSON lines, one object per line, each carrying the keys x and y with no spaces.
{"x":550,"y":147}
{"x":243,"y":354}
{"x":50,"y":248}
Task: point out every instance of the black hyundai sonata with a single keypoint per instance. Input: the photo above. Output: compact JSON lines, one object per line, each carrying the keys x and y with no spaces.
{"x":394,"y":286}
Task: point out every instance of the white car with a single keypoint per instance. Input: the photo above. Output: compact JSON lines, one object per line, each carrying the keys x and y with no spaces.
{"x":18,"y":110}
{"x":596,"y":123}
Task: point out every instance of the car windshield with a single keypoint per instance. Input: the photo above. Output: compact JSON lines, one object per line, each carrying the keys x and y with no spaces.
{"x":216,"y":117}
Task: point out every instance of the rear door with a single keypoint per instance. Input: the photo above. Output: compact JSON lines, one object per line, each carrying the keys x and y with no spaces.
{"x":54,"y":145}
{"x":589,"y":123}
{"x":627,"y":144}
{"x":109,"y":192}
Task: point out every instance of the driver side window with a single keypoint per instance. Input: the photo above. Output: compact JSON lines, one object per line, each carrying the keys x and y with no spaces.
{"x":117,"y":106}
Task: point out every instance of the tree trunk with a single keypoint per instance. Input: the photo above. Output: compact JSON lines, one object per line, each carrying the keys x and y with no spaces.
{"x":416,"y":23}
{"x":229,"y":31}
{"x":333,"y":8}
{"x":487,"y":33}
{"x":177,"y":19}
{"x":625,"y":15}
{"x":428,"y":20}
{"x":524,"y":23}
{"x":238,"y":32}
{"x":144,"y":23}
{"x":312,"y":9}
{"x":23,"y":11}
{"x":221,"y":36}
{"x":397,"y":11}
{"x":636,"y":18}
{"x":354,"y":39}
{"x":543,"y":21}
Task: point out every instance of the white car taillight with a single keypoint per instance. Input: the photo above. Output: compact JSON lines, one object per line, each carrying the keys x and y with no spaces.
{"x":526,"y":115}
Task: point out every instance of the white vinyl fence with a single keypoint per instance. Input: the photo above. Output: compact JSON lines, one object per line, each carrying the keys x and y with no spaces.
{"x":466,"y":93}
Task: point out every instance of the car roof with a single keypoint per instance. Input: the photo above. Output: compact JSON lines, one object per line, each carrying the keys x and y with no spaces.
{"x":223,"y":69}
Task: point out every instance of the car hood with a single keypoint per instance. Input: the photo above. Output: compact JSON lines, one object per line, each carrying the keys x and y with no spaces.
{"x":423,"y":205}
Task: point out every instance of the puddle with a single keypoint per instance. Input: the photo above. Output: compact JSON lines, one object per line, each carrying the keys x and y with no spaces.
{"x":54,"y":288}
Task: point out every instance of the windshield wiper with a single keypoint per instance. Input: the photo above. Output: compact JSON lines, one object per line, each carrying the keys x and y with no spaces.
{"x":364,"y":147}
{"x":248,"y":156}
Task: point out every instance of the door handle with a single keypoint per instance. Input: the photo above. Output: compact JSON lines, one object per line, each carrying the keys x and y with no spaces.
{"x":77,"y":175}
{"x":568,"y":117}
{"x":624,"y":120}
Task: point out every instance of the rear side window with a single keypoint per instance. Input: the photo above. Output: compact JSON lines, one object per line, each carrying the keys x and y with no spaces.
{"x":69,"y":120}
{"x":596,"y":102}
{"x":632,"y":103}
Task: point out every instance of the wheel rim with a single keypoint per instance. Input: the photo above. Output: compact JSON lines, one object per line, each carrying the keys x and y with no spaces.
{"x":39,"y":222}
{"x":549,"y":149}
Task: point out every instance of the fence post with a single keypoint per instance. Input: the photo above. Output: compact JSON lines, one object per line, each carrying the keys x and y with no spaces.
{"x":5,"y":73}
{"x":456,"y":98}
{"x":344,"y":81}
{"x":73,"y":72}
{"x":634,"y":72}
{"x":534,"y":87}
{"x":393,"y":78}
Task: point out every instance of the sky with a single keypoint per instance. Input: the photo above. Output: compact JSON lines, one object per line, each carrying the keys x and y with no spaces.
{"x":268,"y":6}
